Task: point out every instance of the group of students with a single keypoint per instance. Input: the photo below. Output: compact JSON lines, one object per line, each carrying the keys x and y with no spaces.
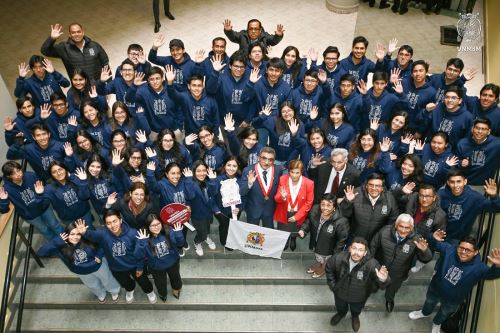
{"x":311,"y":148}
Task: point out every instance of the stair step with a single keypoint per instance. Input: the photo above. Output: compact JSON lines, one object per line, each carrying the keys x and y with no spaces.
{"x":181,"y":320}
{"x":206,"y":297}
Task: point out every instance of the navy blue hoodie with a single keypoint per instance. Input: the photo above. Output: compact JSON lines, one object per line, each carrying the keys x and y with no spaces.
{"x":169,"y":193}
{"x":160,"y":110}
{"x":59,"y":127}
{"x":439,"y":83}
{"x":164,"y":253}
{"x":397,"y":147}
{"x":262,"y":93}
{"x":388,"y":65}
{"x":484,"y":158}
{"x":23,"y":125}
{"x":303,"y":101}
{"x":40,"y":90}
{"x":83,"y":262}
{"x":492,"y":113}
{"x":381,"y":107}
{"x":213,"y":157}
{"x":454,"y":279}
{"x":416,"y":100}
{"x":119,"y":250}
{"x":435,"y":167}
{"x":183,"y":71}
{"x":353,"y":105}
{"x":124,"y":92}
{"x":332,"y":77}
{"x":361,"y":70}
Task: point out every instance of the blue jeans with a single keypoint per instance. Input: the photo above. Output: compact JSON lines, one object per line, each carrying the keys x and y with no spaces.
{"x":47,"y":224}
{"x":88,"y":218}
{"x":101,"y":281}
{"x":446,"y":308}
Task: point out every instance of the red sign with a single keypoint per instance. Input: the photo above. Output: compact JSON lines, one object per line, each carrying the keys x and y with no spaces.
{"x":175,"y":212}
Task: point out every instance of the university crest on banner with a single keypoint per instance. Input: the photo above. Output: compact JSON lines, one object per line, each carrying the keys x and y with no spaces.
{"x":256,"y":240}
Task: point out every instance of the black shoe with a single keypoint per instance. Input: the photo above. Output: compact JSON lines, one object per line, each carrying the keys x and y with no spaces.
{"x":384,"y":6}
{"x":403,"y":11}
{"x":176,"y":295}
{"x":389,"y":306}
{"x":157,"y":27}
{"x":163,"y":298}
{"x":394,"y":9}
{"x":437,"y":11}
{"x":293,"y":244}
{"x":228,"y":248}
{"x":355,"y":324}
{"x":371,"y":4}
{"x":170,"y":16}
{"x":336,"y":319}
{"x":426,"y":11}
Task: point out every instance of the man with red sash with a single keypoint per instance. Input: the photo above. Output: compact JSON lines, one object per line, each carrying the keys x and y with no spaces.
{"x":258,"y":185}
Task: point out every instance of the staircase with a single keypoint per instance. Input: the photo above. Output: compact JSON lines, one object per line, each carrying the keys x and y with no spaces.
{"x":222,"y":292}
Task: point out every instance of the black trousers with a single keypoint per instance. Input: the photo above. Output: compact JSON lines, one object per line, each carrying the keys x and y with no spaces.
{"x":160,"y":278}
{"x":343,"y":306}
{"x":392,"y":289}
{"x":202,"y":229}
{"x":403,"y":3}
{"x":156,"y":9}
{"x":223,"y":227}
{"x":127,"y":280}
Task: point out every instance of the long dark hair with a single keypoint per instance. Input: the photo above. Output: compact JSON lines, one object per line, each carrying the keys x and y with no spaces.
{"x":68,"y":249}
{"x":244,"y":151}
{"x":124,"y":107}
{"x":356,"y":149}
{"x":80,"y":95}
{"x":87,"y":102}
{"x":126,"y":166}
{"x":96,"y":146}
{"x":176,"y":149}
{"x":104,"y":168}
{"x":296,"y":66}
{"x":165,"y":231}
{"x":417,"y":176}
{"x":281,"y":125}
{"x":222,"y":170}
{"x":217,"y":142}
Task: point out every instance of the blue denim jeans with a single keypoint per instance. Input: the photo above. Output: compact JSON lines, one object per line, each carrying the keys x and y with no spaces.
{"x":47,"y":224}
{"x":101,"y":281}
{"x":445,"y":310}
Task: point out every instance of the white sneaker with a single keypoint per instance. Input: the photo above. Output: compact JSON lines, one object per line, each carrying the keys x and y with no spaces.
{"x":114,"y":297}
{"x":436,"y":328}
{"x":198,"y":249}
{"x":210,"y":243}
{"x":182,"y":253}
{"x":186,"y":247}
{"x":418,"y":267}
{"x":416,"y":315}
{"x":129,"y":297}
{"x":152,"y":297}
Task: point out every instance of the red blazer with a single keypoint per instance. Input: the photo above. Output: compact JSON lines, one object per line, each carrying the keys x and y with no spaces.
{"x":305,"y":200}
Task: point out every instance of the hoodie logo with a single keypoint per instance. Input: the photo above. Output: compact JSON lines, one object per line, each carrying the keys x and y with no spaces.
{"x":454,"y":212}
{"x":453,"y":275}
{"x":359,"y":276}
{"x":384,"y":210}
{"x":329,"y":229}
{"x":91,"y":52}
{"x":446,"y":126}
{"x":431,"y":168}
{"x":429,"y":222}
{"x":406,"y":248}
{"x":478,"y":158}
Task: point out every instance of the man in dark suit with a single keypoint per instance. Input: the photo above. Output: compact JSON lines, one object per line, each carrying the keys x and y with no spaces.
{"x":258,"y":185}
{"x":333,"y":177}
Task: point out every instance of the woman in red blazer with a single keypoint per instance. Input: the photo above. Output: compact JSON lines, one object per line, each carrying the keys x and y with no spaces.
{"x":293,"y":201}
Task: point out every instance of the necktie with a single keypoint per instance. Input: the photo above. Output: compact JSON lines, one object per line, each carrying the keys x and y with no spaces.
{"x":335,"y":184}
{"x":264,"y":175}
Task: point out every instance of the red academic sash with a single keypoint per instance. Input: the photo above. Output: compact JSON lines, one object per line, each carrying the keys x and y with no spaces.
{"x":293,"y":204}
{"x":266,"y":194}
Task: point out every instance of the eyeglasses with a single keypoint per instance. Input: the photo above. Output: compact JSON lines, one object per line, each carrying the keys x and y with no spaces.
{"x":331,"y":59}
{"x":58,"y":105}
{"x":135,"y":158}
{"x":155,"y":225}
{"x":206,"y":136}
{"x":451,"y":98}
{"x":269,"y":159}
{"x":425,"y":196}
{"x":465,"y":250}
{"x":237,"y":67}
{"x":374,"y":185}
{"x":310,"y":81}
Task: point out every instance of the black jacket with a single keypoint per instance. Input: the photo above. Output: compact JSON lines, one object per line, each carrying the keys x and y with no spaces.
{"x":244,"y":41}
{"x":321,"y":174}
{"x":365,"y":219}
{"x":434,"y":219}
{"x":92,"y":59}
{"x":354,"y":286}
{"x":397,"y":257}
{"x":332,"y":235}
{"x":133,"y":221}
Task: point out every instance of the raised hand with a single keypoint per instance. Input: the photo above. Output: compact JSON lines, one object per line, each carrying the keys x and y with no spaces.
{"x":380,"y":52}
{"x":72,"y":121}
{"x":421,"y":244}
{"x":408,"y":187}
{"x":169,"y":74}
{"x":470,"y":73}
{"x":116,"y":158}
{"x":395,"y":73}
{"x":317,"y":160}
{"x":187,"y":172}
{"x":452,"y":161}
{"x":385,"y":145}
{"x":142,"y":234}
{"x":45,"y":111}
{"x":151,"y":166}
{"x":39,"y":187}
{"x":254,"y":75}
{"x":322,"y":76}
{"x":190,"y":139}
{"x":266,"y":110}
{"x":93,"y":92}
{"x":419,"y":144}
{"x":251,"y":177}
{"x":64,"y":236}
{"x":81,"y":226}
{"x":374,"y":123}
{"x":349,"y":193}
{"x":294,"y":126}
{"x":398,"y":86}
{"x":362,"y":87}
{"x":111,"y":199}
{"x":279,"y":30}
{"x":313,"y":54}
{"x":56,"y":31}
{"x":314,"y":113}
{"x":490,"y":187}
{"x":8,"y":124}
{"x":68,"y":149}
{"x":106,"y":73}
{"x":24,"y":69}
{"x":393,"y":45}
{"x":465,"y":162}
{"x":139,"y":109}
{"x":211,"y":173}
{"x":227,"y":25}
{"x":430,"y":107}
{"x":138,"y":179}
{"x":139,"y":78}
{"x":80,"y":173}
{"x":283,"y":192}
{"x":150,"y":152}
{"x":217,"y":64}
{"x":439,"y":235}
{"x":140,"y":136}
{"x":47,"y":65}
{"x":229,"y":122}
{"x":158,"y":42}
{"x":199,"y":56}
{"x":177,"y":226}
{"x":141,"y":58}
{"x":382,"y":273}
{"x":494,"y":257}
{"x":269,"y":51}
{"x":407,"y":138}
{"x":3,"y":194}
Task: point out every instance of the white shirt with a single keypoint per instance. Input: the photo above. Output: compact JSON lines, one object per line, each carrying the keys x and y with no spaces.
{"x":269,"y":176}
{"x":294,"y":192}
{"x":333,"y":173}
